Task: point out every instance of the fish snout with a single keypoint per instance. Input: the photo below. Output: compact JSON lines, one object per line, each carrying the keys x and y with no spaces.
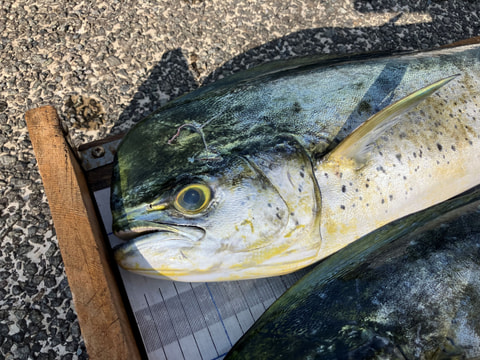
{"x":158,"y":250}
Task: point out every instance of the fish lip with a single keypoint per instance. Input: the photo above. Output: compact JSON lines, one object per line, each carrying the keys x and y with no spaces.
{"x":129,"y":255}
{"x":139,"y":229}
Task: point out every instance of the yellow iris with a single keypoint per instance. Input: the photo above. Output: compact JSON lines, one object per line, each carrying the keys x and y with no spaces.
{"x":192,"y":198}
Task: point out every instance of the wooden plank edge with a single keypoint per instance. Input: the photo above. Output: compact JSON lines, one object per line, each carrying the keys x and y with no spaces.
{"x":101,"y":142}
{"x":97,"y":299}
{"x":471,"y":41}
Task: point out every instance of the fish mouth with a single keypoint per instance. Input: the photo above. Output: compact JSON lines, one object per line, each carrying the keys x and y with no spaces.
{"x":138,"y":228}
{"x":156,"y":249}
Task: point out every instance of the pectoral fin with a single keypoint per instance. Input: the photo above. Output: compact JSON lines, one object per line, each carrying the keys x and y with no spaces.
{"x":357,"y":145}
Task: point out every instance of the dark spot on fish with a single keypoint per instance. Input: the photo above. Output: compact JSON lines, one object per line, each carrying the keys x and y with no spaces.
{"x":414,"y":154}
{"x":278,"y":216}
{"x":383,"y":201}
{"x":356,"y":190}
{"x":237,"y":108}
{"x":296,"y":108}
{"x":399,"y":157}
{"x":344,"y":188}
{"x":404,"y":177}
{"x":380,"y":168}
{"x":292,"y":214}
{"x":300,"y":189}
{"x":380,"y":153}
{"x":368,"y":204}
{"x":269,"y":205}
{"x":342,"y":207}
{"x":390,"y":197}
{"x":364,"y":106}
{"x":302,"y":174}
{"x":366,"y":185}
{"x":265,"y":119}
{"x":439,"y":146}
{"x":326,"y":175}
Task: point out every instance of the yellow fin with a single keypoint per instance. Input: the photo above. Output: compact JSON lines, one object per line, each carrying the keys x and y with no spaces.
{"x":356,"y":146}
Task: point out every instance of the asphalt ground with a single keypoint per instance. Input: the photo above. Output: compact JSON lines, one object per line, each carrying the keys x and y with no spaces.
{"x":106,"y":64}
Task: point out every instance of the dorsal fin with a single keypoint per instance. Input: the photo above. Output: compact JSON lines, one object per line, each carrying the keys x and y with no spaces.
{"x":356,"y":146}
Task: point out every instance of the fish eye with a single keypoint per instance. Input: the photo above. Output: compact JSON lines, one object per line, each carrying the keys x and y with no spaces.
{"x":192,"y":198}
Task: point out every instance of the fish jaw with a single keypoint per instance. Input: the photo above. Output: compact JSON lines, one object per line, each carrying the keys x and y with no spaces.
{"x":187,"y":255}
{"x":162,"y":253}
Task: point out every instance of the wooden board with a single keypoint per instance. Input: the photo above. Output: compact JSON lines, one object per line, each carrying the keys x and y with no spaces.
{"x":97,"y":299}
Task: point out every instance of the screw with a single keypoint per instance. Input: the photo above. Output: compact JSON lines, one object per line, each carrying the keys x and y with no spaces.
{"x":98,"y":152}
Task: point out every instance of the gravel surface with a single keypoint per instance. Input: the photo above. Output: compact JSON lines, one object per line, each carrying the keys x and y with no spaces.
{"x":105,"y":64}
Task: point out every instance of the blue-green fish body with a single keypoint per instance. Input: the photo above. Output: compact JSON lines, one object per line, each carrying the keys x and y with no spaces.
{"x":242,"y":178}
{"x":409,"y":290}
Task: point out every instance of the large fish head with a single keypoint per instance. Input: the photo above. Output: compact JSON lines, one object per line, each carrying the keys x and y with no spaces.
{"x":218,"y":217}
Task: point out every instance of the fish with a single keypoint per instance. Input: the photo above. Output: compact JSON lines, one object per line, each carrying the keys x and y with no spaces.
{"x":408,"y":290}
{"x":275,"y":168}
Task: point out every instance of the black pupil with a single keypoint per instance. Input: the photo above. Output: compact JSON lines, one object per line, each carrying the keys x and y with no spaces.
{"x":191,"y":197}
